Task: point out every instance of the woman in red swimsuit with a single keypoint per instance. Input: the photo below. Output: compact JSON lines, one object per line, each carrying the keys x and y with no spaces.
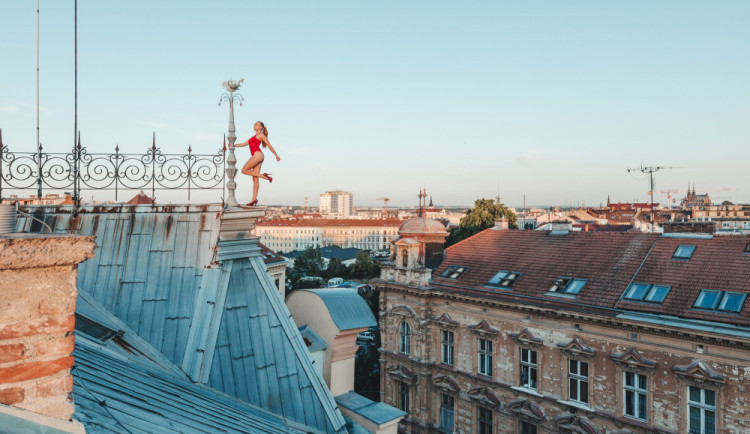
{"x":252,"y":167}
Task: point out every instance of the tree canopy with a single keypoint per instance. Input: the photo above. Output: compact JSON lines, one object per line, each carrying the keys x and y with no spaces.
{"x":479,"y":218}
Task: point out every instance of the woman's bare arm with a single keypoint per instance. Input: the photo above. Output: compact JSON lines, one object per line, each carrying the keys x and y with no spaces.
{"x":241,"y":144}
{"x":264,"y":139}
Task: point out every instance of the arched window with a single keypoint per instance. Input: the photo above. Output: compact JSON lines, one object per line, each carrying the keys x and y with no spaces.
{"x":405,"y":339}
{"x":405,"y":258}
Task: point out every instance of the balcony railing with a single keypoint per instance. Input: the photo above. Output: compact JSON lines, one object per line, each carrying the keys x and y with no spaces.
{"x":79,"y":171}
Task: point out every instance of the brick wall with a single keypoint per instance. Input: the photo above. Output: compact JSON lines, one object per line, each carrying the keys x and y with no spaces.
{"x":37,"y":308}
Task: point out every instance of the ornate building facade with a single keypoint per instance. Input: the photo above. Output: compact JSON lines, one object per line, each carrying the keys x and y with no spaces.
{"x":582,"y":332}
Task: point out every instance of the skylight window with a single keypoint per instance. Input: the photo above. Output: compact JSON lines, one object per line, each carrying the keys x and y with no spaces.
{"x":568,"y":285}
{"x":720,"y":300}
{"x":453,"y":271}
{"x":683,"y":252}
{"x":747,"y":248}
{"x":504,"y":279}
{"x":647,"y":292}
{"x":732,"y":302}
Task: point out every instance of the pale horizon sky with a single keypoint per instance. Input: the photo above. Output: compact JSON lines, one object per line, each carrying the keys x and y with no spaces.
{"x":551,"y":100}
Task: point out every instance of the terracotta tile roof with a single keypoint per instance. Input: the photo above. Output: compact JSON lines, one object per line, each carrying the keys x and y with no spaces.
{"x":606,"y":259}
{"x":609,"y":261}
{"x":718,"y":264}
{"x":269,"y":256}
{"x":330,"y":222}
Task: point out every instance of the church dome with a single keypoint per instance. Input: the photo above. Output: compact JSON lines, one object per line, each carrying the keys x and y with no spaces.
{"x":422,"y":226}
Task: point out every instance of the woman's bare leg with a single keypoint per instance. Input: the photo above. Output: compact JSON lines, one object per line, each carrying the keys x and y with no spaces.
{"x":254,"y":162}
{"x":256,"y":183}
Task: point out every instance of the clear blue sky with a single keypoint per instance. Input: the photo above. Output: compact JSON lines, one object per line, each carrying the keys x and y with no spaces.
{"x":549,"y":99}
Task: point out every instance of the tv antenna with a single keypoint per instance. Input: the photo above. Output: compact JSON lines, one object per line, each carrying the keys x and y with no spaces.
{"x":650,"y":170}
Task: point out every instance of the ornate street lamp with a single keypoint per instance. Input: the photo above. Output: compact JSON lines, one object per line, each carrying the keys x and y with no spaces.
{"x":231,"y":86}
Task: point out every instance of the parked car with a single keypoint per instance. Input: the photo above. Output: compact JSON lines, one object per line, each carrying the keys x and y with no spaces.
{"x":366,"y":336}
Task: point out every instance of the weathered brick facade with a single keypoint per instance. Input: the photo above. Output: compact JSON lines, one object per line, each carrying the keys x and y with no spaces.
{"x":711,"y":360}
{"x":37,"y":319}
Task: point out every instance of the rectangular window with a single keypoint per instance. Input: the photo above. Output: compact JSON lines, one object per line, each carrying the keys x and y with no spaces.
{"x":635,"y":392}
{"x":453,"y":271}
{"x":528,"y":368}
{"x":446,"y":349}
{"x":403,"y":396}
{"x":526,"y":428}
{"x":447,"y":409}
{"x":485,"y":357}
{"x":732,"y":301}
{"x":683,"y":252}
{"x":484,"y":420}
{"x":707,"y":299}
{"x":504,"y":279}
{"x":578,"y":381}
{"x":568,"y":285}
{"x":701,"y":411}
{"x":647,"y":292}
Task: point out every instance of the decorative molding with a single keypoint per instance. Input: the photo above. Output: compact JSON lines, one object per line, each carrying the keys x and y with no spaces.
{"x":576,"y":349}
{"x":571,"y":423}
{"x":483,"y":328}
{"x":446,"y":384}
{"x":526,"y":410}
{"x":485,"y":396}
{"x":632,"y":360}
{"x":526,"y":339}
{"x":446,"y":321}
{"x":402,"y":373}
{"x":404,"y":310}
{"x":699,"y":374}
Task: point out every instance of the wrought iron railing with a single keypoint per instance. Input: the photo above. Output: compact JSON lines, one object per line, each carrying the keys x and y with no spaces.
{"x":80,"y":170}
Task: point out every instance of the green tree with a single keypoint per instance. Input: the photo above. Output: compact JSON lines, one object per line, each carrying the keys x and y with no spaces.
{"x":336,"y":268}
{"x":310,"y":262}
{"x":479,"y":218}
{"x":727,"y":202}
{"x":364,"y":267}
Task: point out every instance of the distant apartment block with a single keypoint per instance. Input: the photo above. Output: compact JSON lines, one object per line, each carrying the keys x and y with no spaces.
{"x":285,"y":235}
{"x":337,"y":203}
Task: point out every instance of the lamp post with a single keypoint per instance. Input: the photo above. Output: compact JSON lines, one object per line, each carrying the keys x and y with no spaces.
{"x":231,"y":86}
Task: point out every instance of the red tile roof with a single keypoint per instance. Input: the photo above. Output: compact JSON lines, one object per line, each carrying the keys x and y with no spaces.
{"x":609,"y":261}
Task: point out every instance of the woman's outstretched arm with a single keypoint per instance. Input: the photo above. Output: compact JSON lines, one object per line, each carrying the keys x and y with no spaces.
{"x":265,"y":140}
{"x":241,"y":144}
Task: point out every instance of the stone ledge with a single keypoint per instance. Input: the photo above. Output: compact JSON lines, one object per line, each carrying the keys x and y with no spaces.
{"x":20,"y":250}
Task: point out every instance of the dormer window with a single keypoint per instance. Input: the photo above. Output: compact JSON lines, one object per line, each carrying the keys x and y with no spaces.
{"x":720,"y":300}
{"x":453,"y":271}
{"x":504,"y":279}
{"x":647,"y":292}
{"x":568,"y":285}
{"x":683,"y":252}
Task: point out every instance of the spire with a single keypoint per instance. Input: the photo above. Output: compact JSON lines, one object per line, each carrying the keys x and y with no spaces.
{"x":431,"y":205}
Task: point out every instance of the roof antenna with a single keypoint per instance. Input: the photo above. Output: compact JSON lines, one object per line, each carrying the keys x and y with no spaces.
{"x":650,"y":170}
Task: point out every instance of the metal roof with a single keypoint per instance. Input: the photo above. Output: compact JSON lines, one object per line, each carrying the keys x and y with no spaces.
{"x":313,"y":341}
{"x":217,"y":316}
{"x":347,"y":308}
{"x":376,"y":412}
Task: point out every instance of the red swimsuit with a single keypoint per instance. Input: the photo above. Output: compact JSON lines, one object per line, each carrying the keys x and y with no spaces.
{"x":254,"y":143}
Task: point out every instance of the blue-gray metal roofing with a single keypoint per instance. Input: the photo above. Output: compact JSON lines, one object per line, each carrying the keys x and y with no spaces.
{"x":149,"y":269}
{"x":113,"y":395}
{"x":376,"y":412}
{"x":316,"y":342}
{"x":343,"y":253}
{"x":346,"y":307}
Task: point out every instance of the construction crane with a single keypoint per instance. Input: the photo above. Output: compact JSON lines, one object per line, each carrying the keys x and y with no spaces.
{"x":669,"y":195}
{"x":650,"y":170}
{"x":385,"y":205}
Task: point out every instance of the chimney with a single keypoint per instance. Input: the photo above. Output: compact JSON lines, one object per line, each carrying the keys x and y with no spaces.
{"x":37,"y":319}
{"x":500,"y":224}
{"x":561,"y":227}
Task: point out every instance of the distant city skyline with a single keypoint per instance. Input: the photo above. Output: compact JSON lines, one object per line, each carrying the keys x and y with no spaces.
{"x":549,"y":100}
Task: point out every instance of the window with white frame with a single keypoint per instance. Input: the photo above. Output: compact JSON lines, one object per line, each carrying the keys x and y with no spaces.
{"x":403,"y":396}
{"x":701,"y":410}
{"x":578,"y":381}
{"x":446,"y":347}
{"x":447,"y":413}
{"x":528,"y":368}
{"x":484,"y":362}
{"x":404,"y":344}
{"x":484,"y":421}
{"x":635,"y":393}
